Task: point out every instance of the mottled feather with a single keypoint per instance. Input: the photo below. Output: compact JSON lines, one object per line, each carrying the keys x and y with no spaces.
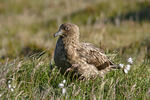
{"x":85,"y":57}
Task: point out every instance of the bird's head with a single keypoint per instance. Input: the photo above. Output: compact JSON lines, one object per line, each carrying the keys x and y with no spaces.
{"x":67,"y":29}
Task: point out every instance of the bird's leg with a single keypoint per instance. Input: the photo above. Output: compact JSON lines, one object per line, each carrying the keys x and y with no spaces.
{"x":69,"y":69}
{"x":73,"y":67}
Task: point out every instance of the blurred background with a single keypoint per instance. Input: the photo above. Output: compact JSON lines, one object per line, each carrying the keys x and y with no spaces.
{"x":27,"y":26}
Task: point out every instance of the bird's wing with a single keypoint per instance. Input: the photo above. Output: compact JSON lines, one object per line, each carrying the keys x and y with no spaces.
{"x":93,"y":55}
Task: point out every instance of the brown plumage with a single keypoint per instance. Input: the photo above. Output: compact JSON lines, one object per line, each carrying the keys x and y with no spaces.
{"x":70,"y":54}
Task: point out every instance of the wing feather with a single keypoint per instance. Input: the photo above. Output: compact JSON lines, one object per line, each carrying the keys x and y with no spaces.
{"x":93,"y":55}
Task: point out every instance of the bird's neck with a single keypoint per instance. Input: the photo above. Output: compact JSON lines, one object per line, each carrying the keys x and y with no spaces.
{"x":71,"y":45}
{"x":70,"y":41}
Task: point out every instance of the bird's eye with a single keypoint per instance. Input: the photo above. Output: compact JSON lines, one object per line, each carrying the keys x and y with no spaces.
{"x":66,"y":28}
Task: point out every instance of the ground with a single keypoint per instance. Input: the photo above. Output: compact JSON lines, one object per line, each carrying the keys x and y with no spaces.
{"x":121,"y":28}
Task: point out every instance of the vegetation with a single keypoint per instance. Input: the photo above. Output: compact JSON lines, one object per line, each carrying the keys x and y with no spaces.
{"x":121,"y":28}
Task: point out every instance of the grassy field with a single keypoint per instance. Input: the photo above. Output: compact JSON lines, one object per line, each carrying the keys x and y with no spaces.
{"x":121,"y":28}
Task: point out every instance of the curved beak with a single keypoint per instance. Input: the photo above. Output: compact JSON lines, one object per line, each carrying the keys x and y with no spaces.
{"x":60,"y":32}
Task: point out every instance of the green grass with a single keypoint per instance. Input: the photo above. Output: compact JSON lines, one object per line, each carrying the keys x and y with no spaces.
{"x":26,"y":47}
{"x":34,"y":79}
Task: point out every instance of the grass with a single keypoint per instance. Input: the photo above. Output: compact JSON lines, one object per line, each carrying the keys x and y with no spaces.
{"x":33,"y":79}
{"x":26,"y":47}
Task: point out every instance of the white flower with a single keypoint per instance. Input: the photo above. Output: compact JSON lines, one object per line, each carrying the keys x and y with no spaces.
{"x":128,"y":67}
{"x":64,"y":81}
{"x":9,"y":81}
{"x":61,"y":85}
{"x":0,"y":95}
{"x":125,"y":71}
{"x":14,"y":86}
{"x":12,"y":89}
{"x":9,"y":86}
{"x":130,"y":60}
{"x":63,"y":90}
{"x":121,"y":65}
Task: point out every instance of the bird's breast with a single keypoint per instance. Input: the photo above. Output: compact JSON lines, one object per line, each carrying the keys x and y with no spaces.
{"x":60,"y":57}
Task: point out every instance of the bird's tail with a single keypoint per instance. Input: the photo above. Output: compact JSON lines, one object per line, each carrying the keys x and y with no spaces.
{"x":113,"y":66}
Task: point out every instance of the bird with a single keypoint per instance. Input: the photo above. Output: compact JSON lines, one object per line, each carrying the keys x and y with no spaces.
{"x":84,"y":59}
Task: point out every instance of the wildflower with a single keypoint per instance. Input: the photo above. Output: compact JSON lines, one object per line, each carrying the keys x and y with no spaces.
{"x":128,"y":67}
{"x":61,"y":85}
{"x":64,"y":81}
{"x":121,"y":65}
{"x":125,"y":71}
{"x":63,"y":90}
{"x":12,"y":89}
{"x":0,"y":95}
{"x":9,"y":81}
{"x":14,"y":86}
{"x":9,"y":86}
{"x":130,"y":60}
